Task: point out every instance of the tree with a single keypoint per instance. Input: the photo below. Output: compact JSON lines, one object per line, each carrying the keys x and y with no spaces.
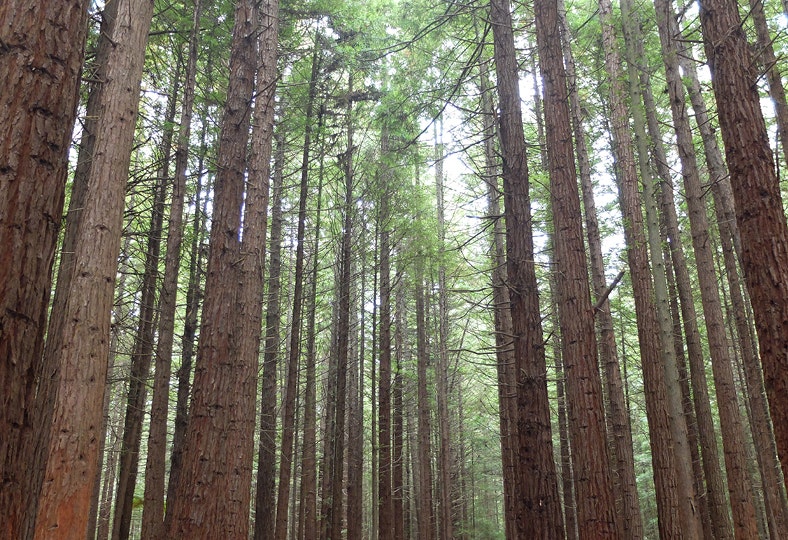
{"x":592,"y":482}
{"x":541,"y":511}
{"x":213,"y":491}
{"x":756,"y":190}
{"x":73,"y":391}
{"x":43,"y":48}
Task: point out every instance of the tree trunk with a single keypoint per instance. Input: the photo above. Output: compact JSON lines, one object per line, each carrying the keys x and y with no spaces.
{"x":445,"y":526}
{"x":773,"y":487}
{"x":674,"y":509}
{"x":385,"y":500}
{"x":78,"y":344}
{"x":153,"y":508}
{"x":213,"y":491}
{"x":540,"y":515}
{"x":43,"y":48}
{"x":739,"y":487}
{"x":592,"y":482}
{"x":424,"y":449}
{"x":756,"y":190}
{"x":398,"y":456}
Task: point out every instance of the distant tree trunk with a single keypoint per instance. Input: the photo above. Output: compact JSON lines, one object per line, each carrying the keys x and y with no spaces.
{"x":398,"y":456}
{"x":620,"y":431}
{"x":445,"y":524}
{"x":739,"y":486}
{"x":43,"y":49}
{"x":153,"y":508}
{"x":385,"y":500}
{"x":355,"y":417}
{"x":78,"y":337}
{"x":291,"y":388}
{"x":257,"y":201}
{"x":213,"y":491}
{"x":332,"y":512}
{"x":424,"y":449}
{"x":193,"y":294}
{"x":308,"y":498}
{"x":540,"y":514}
{"x":674,"y":508}
{"x":592,"y":483}
{"x":756,"y":190}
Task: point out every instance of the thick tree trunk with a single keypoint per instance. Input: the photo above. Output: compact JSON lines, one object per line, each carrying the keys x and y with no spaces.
{"x":78,"y":337}
{"x":756,"y":190}
{"x":43,"y":47}
{"x":540,"y":515}
{"x":596,"y":513}
{"x":213,"y":491}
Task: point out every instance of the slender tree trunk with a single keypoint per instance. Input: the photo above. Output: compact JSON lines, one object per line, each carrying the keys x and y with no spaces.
{"x":291,"y":388}
{"x":446,"y":526}
{"x":759,"y":210}
{"x":193,"y":294}
{"x":257,"y":202}
{"x":308,"y":508}
{"x":77,"y":346}
{"x":355,"y":428}
{"x":424,"y":449}
{"x":214,"y":486}
{"x":540,"y":515}
{"x":398,"y":456}
{"x":592,"y":482}
{"x":153,"y":509}
{"x":385,"y":501}
{"x":505,"y":366}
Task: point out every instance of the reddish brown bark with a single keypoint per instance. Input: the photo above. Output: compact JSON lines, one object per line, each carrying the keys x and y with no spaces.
{"x":42,"y":47}
{"x":756,"y":190}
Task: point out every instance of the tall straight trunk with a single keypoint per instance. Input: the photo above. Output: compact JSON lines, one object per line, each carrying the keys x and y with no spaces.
{"x":142,"y":353}
{"x":445,"y":524}
{"x":739,"y":487}
{"x":291,"y":387}
{"x":756,"y":190}
{"x":77,"y":345}
{"x":308,"y":498}
{"x":620,"y":430}
{"x":674,"y":504}
{"x":771,"y":478}
{"x":540,"y":513}
{"x":355,"y":428}
{"x":214,"y":486}
{"x":385,"y":500}
{"x":398,"y":456}
{"x":596,"y":513}
{"x":333,"y":511}
{"x":153,"y":509}
{"x":188,"y":339}
{"x":714,"y":490}
{"x":254,"y":260}
{"x":505,"y":367}
{"x":423,"y":405}
{"x":265,"y":499}
{"x":43,"y":49}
